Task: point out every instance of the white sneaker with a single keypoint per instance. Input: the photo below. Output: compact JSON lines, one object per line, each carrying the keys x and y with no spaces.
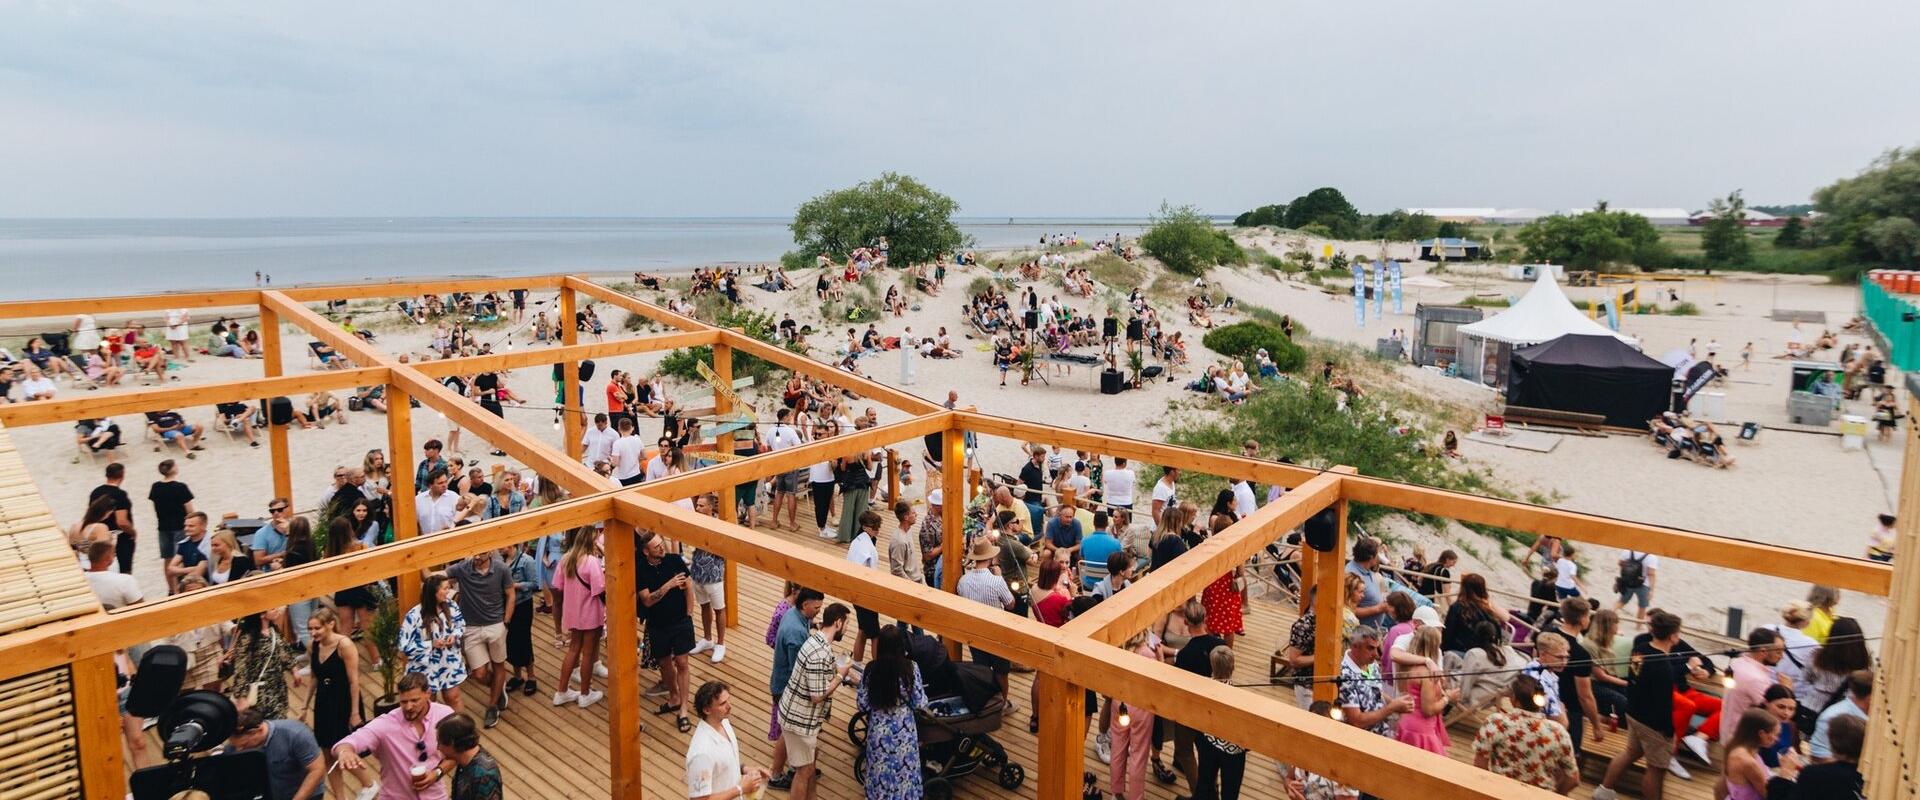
{"x":368,"y":793}
{"x":700,"y":646}
{"x":599,"y":669}
{"x":829,"y":533}
{"x":1103,"y":747}
{"x":590,"y":698}
{"x":1604,"y":793}
{"x":719,"y":652}
{"x":1696,"y":745}
{"x":563,"y":698}
{"x":1678,"y":771}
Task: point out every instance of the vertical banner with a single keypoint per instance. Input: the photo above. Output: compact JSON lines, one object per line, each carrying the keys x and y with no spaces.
{"x":1393,"y":275}
{"x":1379,"y":290}
{"x":1359,"y":294}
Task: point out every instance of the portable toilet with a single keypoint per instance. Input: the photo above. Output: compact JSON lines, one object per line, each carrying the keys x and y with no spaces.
{"x":1902,"y":282}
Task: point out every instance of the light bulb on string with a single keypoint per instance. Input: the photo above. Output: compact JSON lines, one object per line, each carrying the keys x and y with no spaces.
{"x":1337,"y":714}
{"x":1123,"y":719}
{"x":1727,"y":680}
{"x":1540,"y":700}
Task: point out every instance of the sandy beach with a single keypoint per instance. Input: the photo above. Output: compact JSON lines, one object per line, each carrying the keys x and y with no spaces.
{"x":1789,"y":488}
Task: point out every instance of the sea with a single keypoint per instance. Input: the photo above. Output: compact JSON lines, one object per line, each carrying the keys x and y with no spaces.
{"x":49,"y":258}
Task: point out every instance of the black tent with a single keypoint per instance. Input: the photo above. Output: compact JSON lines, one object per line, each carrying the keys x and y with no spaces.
{"x":1591,"y":375}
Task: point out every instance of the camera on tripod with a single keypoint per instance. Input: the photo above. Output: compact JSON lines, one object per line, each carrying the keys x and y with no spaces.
{"x":190,"y":725}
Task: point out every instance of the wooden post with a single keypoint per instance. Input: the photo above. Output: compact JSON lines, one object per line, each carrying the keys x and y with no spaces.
{"x":1895,"y":714}
{"x":1309,"y":575}
{"x":96,"y":716}
{"x":1330,"y":569}
{"x":973,"y":479}
{"x":723,"y":444}
{"x":893,"y":476}
{"x":400,"y":488}
{"x":953,"y":517}
{"x":623,"y":660}
{"x":1063,"y":734}
{"x":270,"y":359}
{"x":571,"y":415}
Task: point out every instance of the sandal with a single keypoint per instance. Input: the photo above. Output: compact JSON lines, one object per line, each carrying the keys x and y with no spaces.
{"x":665,"y":709}
{"x":684,"y":723}
{"x":1162,"y":774}
{"x":1033,"y":724}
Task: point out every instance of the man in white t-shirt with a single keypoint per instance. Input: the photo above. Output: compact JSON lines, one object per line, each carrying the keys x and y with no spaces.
{"x":596,"y":443}
{"x":658,"y":465}
{"x":1080,"y":483}
{"x":114,"y":589}
{"x":786,"y":485}
{"x":1163,"y":491}
{"x":37,"y":386}
{"x":1244,"y":503}
{"x":1116,"y":485}
{"x":437,"y":509}
{"x":1638,"y":588}
{"x":625,"y":453}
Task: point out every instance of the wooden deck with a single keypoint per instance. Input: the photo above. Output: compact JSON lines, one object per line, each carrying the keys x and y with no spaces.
{"x":553,"y":752}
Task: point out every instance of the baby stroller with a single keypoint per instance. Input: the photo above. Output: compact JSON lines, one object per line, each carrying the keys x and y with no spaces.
{"x":955,"y":739}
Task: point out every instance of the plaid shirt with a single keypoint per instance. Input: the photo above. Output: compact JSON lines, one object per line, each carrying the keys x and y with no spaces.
{"x":813,"y":675}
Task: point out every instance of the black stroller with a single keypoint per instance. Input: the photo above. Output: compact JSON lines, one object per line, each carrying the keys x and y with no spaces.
{"x":965,"y":707}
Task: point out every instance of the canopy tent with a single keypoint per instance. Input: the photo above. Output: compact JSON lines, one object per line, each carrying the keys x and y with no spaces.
{"x":1543,"y":315}
{"x":1591,"y":375}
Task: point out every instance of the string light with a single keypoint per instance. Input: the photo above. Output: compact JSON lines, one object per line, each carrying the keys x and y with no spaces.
{"x":1015,"y":585}
{"x":1123,"y":719}
{"x":1338,"y":714}
{"x":1539,"y":699}
{"x":1727,"y":680}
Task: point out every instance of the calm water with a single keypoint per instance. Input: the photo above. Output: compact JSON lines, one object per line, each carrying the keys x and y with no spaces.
{"x":77,"y":257}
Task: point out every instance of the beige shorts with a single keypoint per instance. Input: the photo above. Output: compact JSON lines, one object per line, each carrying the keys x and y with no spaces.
{"x":711,"y":594}
{"x":801,"y":747}
{"x":1657,"y":746}
{"x":485,"y":644}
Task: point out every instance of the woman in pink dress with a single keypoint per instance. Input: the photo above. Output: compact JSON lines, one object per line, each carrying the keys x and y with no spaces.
{"x":1425,"y":726}
{"x":583,"y":611}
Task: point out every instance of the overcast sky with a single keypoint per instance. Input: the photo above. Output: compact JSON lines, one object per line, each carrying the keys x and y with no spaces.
{"x":1013,"y":108}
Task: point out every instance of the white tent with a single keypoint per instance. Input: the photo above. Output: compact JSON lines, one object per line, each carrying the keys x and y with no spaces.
{"x":1543,"y":315}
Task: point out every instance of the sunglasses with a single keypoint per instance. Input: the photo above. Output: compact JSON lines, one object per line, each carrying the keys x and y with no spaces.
{"x":276,"y":509}
{"x":420,"y":747}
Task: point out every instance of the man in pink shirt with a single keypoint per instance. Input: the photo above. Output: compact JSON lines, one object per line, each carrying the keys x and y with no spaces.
{"x":1753,"y":672}
{"x":403,"y":739}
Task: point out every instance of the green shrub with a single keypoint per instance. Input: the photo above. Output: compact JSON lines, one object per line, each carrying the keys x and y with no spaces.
{"x":1272,"y":317}
{"x":680,"y":363}
{"x":1186,"y":241}
{"x":1115,"y":271}
{"x":1276,"y":263}
{"x":979,"y":285}
{"x":1241,"y":340}
{"x":1684,"y":308}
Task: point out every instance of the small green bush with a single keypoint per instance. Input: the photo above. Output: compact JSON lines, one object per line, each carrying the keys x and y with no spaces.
{"x":1241,"y":339}
{"x":1115,"y":271}
{"x":1276,"y":263}
{"x":1186,"y":241}
{"x":979,"y":285}
{"x":1684,"y":308}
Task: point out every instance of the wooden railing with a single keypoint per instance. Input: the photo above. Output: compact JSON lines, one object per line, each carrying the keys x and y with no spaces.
{"x":1067,"y":660}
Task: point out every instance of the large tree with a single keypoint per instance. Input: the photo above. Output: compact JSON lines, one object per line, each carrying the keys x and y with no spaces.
{"x":916,"y":221}
{"x":1724,"y":239}
{"x":1875,"y":214}
{"x":1595,"y":238}
{"x":1327,"y":206}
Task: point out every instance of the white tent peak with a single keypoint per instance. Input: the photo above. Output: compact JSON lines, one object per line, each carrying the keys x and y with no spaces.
{"x":1543,"y":315}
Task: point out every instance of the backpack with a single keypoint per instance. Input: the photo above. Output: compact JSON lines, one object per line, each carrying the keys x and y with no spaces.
{"x":1633,"y":572}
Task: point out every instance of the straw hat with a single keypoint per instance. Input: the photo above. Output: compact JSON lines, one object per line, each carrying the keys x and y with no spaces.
{"x":983,"y":550}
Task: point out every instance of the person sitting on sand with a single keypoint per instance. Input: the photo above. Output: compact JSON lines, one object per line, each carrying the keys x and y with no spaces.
{"x":100,"y":367}
{"x":320,"y":406}
{"x":1450,"y":445}
{"x":36,"y":385}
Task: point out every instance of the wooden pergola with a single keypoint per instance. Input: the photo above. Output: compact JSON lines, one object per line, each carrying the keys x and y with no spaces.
{"x":1069,"y":660}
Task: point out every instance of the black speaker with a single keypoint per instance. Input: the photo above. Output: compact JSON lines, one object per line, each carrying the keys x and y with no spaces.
{"x":1111,"y":381}
{"x":586,"y":371}
{"x":1032,"y":319}
{"x":162,"y":670}
{"x":1110,"y":327}
{"x":1322,"y":530}
{"x":278,"y":410}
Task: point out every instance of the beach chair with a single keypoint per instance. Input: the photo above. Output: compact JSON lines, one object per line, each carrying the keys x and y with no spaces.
{"x":1092,"y":573}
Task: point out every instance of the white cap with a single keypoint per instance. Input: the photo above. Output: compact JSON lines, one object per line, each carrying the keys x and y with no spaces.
{"x":934,"y":497}
{"x":1426,"y":615}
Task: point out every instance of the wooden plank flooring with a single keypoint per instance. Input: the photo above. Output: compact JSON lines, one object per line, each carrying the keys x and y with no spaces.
{"x":561,"y":752}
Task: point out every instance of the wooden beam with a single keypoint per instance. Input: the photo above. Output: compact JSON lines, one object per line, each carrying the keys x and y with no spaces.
{"x":358,"y":291}
{"x":29,"y":309}
{"x":1162,"y":590}
{"x":1267,"y":724}
{"x":634,"y":305}
{"x":1331,"y":571}
{"x":724,"y":477}
{"x":723,"y":443}
{"x":1852,"y":574}
{"x":96,"y":726}
{"x":1205,"y":462}
{"x":162,"y":398}
{"x":904,"y":401}
{"x":1023,"y":640}
{"x":953,"y":517}
{"x":272,"y":360}
{"x":572,"y":399}
{"x":1894,"y":720}
{"x":400,"y":477}
{"x":623,"y":661}
{"x":570,"y":353}
{"x":1063,"y":736}
{"x":549,"y":463}
{"x":59,"y":643}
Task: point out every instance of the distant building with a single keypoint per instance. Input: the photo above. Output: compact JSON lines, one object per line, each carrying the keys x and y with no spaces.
{"x":1755,"y":219}
{"x":1497,"y":216}
{"x":1660,"y":216}
{"x":1450,"y":249}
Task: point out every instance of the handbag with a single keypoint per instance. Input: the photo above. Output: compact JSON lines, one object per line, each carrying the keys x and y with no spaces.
{"x":252,"y":697}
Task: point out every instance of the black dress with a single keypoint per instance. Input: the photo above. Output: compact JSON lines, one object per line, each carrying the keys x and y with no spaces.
{"x":332,"y":697}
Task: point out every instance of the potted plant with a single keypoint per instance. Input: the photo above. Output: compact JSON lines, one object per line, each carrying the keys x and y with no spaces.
{"x":1136,"y":363}
{"x":1026,"y":364}
{"x":384,"y":629}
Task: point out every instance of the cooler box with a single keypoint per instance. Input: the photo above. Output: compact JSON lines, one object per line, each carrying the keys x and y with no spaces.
{"x":1807,"y":408}
{"x":1710,"y":405}
{"x":1853,"y":432}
